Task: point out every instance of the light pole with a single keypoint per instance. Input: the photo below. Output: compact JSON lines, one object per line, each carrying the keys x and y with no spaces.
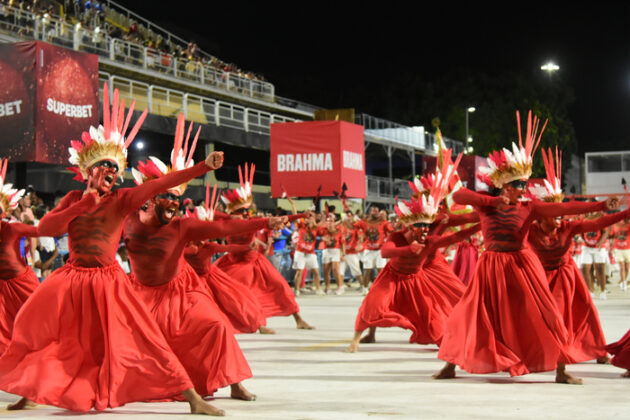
{"x":468,"y":138}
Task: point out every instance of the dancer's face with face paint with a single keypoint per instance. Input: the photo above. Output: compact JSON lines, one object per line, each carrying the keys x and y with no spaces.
{"x":420,"y":231}
{"x":166,"y":206}
{"x":102,"y":176}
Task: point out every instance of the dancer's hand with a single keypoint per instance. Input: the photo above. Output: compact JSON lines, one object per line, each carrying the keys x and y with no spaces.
{"x":415,"y":247}
{"x":500,"y":201}
{"x":90,"y":195}
{"x":214,"y":160}
{"x":612,"y":203}
{"x":277,"y":222}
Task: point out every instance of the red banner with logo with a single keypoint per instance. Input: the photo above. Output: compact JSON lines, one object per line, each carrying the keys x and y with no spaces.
{"x":48,"y":96}
{"x":307,"y":155}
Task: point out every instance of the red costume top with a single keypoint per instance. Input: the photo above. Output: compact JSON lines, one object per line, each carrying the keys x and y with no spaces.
{"x":592,"y":238}
{"x":621,"y":233}
{"x":553,"y":250}
{"x":94,"y":229}
{"x":331,"y":240}
{"x":351,"y":238}
{"x":155,"y":251}
{"x":11,"y":262}
{"x":306,"y":239}
{"x":375,"y":233}
{"x":505,"y":227}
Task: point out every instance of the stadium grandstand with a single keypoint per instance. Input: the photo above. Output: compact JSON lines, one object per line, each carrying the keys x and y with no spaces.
{"x":168,"y":75}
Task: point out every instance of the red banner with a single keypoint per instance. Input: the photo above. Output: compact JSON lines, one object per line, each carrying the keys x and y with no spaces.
{"x":307,"y":155}
{"x":48,"y":96}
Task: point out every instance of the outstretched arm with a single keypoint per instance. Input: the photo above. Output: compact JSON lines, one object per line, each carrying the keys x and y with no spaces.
{"x":599,"y":223}
{"x":197,"y":230}
{"x":466,"y":196}
{"x":56,"y":222}
{"x":133,"y":198}
{"x":390,"y":250}
{"x":443,"y":241}
{"x":20,"y":229}
{"x":542,"y":209}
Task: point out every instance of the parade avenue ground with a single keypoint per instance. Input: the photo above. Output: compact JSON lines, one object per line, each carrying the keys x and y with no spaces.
{"x":304,"y":375}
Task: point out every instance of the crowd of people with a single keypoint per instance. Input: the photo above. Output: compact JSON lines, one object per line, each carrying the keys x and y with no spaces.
{"x":130,"y":303}
{"x":93,"y":14}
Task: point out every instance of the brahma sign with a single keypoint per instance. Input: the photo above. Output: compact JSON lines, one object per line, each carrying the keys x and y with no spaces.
{"x":307,"y":155}
{"x":48,"y":96}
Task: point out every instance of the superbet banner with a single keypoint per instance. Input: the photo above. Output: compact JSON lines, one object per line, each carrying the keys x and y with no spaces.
{"x":307,"y":155}
{"x":48,"y":96}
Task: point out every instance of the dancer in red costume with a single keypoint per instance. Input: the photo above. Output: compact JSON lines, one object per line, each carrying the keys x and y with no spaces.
{"x":17,"y":280}
{"x":435,"y":267}
{"x":375,"y":228}
{"x":83,"y":339}
{"x":551,"y":239}
{"x":466,"y":257}
{"x":182,"y":303}
{"x":235,"y":300}
{"x":507,"y":319}
{"x":403,"y":295}
{"x":304,"y":257}
{"x":251,"y":268}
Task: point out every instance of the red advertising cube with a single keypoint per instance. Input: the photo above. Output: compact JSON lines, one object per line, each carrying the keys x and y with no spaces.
{"x":307,"y":155}
{"x":48,"y":96}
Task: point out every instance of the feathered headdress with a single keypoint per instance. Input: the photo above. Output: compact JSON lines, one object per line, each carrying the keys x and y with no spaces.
{"x":505,"y":166}
{"x":425,"y":208}
{"x":206,"y":212}
{"x":181,"y":157}
{"x":107,"y":142}
{"x":551,"y":191}
{"x":242,"y":197}
{"x":9,"y":196}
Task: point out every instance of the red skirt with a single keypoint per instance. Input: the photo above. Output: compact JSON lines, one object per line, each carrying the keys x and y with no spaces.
{"x":465,"y":261}
{"x":507,"y":319}
{"x":621,"y":352}
{"x":13,"y":294}
{"x":235,"y":300}
{"x":419,"y":302}
{"x":271,"y":290}
{"x":586,"y":338}
{"x":197,"y":331}
{"x":84,"y":340}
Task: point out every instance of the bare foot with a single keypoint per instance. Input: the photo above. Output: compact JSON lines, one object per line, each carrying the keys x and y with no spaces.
{"x":199,"y":406}
{"x":265,"y":330}
{"x":447,"y":372}
{"x":21,"y":404}
{"x":240,"y":393}
{"x":603,"y":360}
{"x":303,"y":325}
{"x":368,"y":338}
{"x":352,"y":348}
{"x":626,"y":374}
{"x":566,"y":378}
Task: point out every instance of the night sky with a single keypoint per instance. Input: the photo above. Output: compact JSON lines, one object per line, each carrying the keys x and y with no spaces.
{"x":334,"y":55}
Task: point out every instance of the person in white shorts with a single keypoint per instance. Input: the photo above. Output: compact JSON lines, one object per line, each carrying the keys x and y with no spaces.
{"x":353,"y":241}
{"x":304,"y":256}
{"x":332,"y":236}
{"x":593,"y":259}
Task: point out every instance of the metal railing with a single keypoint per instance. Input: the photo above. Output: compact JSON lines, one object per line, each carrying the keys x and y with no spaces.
{"x":404,"y":135}
{"x":384,"y":188}
{"x":55,"y":30}
{"x":167,"y":102}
